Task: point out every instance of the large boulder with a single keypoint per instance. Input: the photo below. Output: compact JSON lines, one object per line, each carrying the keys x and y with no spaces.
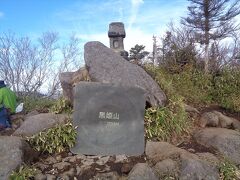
{"x":106,"y":66}
{"x":223,"y":140}
{"x":13,"y":152}
{"x":194,"y":168}
{"x":37,"y":123}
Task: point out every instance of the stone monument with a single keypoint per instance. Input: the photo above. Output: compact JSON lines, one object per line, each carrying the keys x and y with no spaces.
{"x":116,"y":34}
{"x":110,"y":119}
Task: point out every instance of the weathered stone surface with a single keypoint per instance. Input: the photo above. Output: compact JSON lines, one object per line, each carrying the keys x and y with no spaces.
{"x":70,"y":79}
{"x":105,"y":66}
{"x":227,"y":122}
{"x":110,"y":119}
{"x":217,"y":119}
{"x":209,"y":119}
{"x":35,"y":124}
{"x":62,"y":165}
{"x":116,"y":29}
{"x":158,"y":151}
{"x":13,"y":152}
{"x":194,"y":168}
{"x":167,"y":167}
{"x":223,"y":140}
{"x":208,"y":157}
{"x":107,"y":176}
{"x":66,"y":83}
{"x":190,"y":166}
{"x":142,"y":171}
{"x":189,"y":108}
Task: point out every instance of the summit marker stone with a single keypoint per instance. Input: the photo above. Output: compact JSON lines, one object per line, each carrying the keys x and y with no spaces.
{"x":110,"y":119}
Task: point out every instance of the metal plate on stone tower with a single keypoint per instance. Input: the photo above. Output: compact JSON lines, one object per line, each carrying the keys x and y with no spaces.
{"x":109,"y":119}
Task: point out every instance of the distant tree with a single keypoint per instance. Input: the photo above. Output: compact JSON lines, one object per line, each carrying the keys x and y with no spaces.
{"x":211,"y":20}
{"x":27,"y":66}
{"x":137,"y":53}
{"x":177,"y":48}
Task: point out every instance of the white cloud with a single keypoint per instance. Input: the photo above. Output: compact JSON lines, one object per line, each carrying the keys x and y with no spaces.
{"x":134,"y":11}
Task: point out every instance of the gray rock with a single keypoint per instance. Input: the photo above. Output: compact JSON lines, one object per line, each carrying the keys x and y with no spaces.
{"x":193,"y":168}
{"x":69,"y":79}
{"x":62,"y":165}
{"x":142,"y":171}
{"x":40,"y":176}
{"x":208,"y":157}
{"x":37,"y":123}
{"x":209,"y":119}
{"x":227,"y":122}
{"x":50,"y":177}
{"x":217,"y":119}
{"x":13,"y":152}
{"x":105,"y":66}
{"x":167,"y":167}
{"x":107,"y":176}
{"x":66,"y":79}
{"x":189,"y":108}
{"x":70,"y":173}
{"x":223,"y":140}
{"x":158,"y":151}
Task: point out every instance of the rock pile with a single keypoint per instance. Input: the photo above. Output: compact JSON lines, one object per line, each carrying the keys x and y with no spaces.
{"x":160,"y":160}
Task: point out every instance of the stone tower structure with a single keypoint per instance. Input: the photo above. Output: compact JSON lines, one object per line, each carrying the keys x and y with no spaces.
{"x":116,"y":34}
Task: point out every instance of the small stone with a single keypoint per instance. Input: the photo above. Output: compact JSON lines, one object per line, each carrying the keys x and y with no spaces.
{"x":62,"y":165}
{"x":121,"y":158}
{"x":80,"y":156}
{"x":59,"y":158}
{"x":50,"y":177}
{"x":71,"y":159}
{"x":41,"y":166}
{"x":209,"y":119}
{"x":40,"y":176}
{"x":107,"y":176}
{"x":191,"y":150}
{"x":142,"y":171}
{"x":51,"y":160}
{"x":126,"y":168}
{"x":103,"y":160}
{"x":71,"y":172}
{"x":88,"y":162}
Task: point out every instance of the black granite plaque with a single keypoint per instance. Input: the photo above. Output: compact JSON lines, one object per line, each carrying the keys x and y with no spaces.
{"x":110,"y":119}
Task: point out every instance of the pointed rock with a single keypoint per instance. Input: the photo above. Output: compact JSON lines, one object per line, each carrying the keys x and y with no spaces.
{"x":106,"y":66}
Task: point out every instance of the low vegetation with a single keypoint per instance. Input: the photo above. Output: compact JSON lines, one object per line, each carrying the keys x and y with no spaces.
{"x":57,"y":139}
{"x":62,"y":105}
{"x":199,"y":88}
{"x":166,"y":123}
{"x":23,"y":173}
{"x":36,"y":103}
{"x":228,"y":171}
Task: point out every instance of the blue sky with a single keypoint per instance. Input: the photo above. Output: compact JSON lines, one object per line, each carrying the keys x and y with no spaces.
{"x":89,"y":19}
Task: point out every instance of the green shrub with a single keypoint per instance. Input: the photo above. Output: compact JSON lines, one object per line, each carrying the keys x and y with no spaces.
{"x":53,"y":140}
{"x":166,"y":123}
{"x":227,"y":89}
{"x":62,"y":105}
{"x":23,"y":173}
{"x":228,"y":171}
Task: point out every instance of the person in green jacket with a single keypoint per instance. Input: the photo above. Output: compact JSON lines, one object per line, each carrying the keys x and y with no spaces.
{"x":8,"y":102}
